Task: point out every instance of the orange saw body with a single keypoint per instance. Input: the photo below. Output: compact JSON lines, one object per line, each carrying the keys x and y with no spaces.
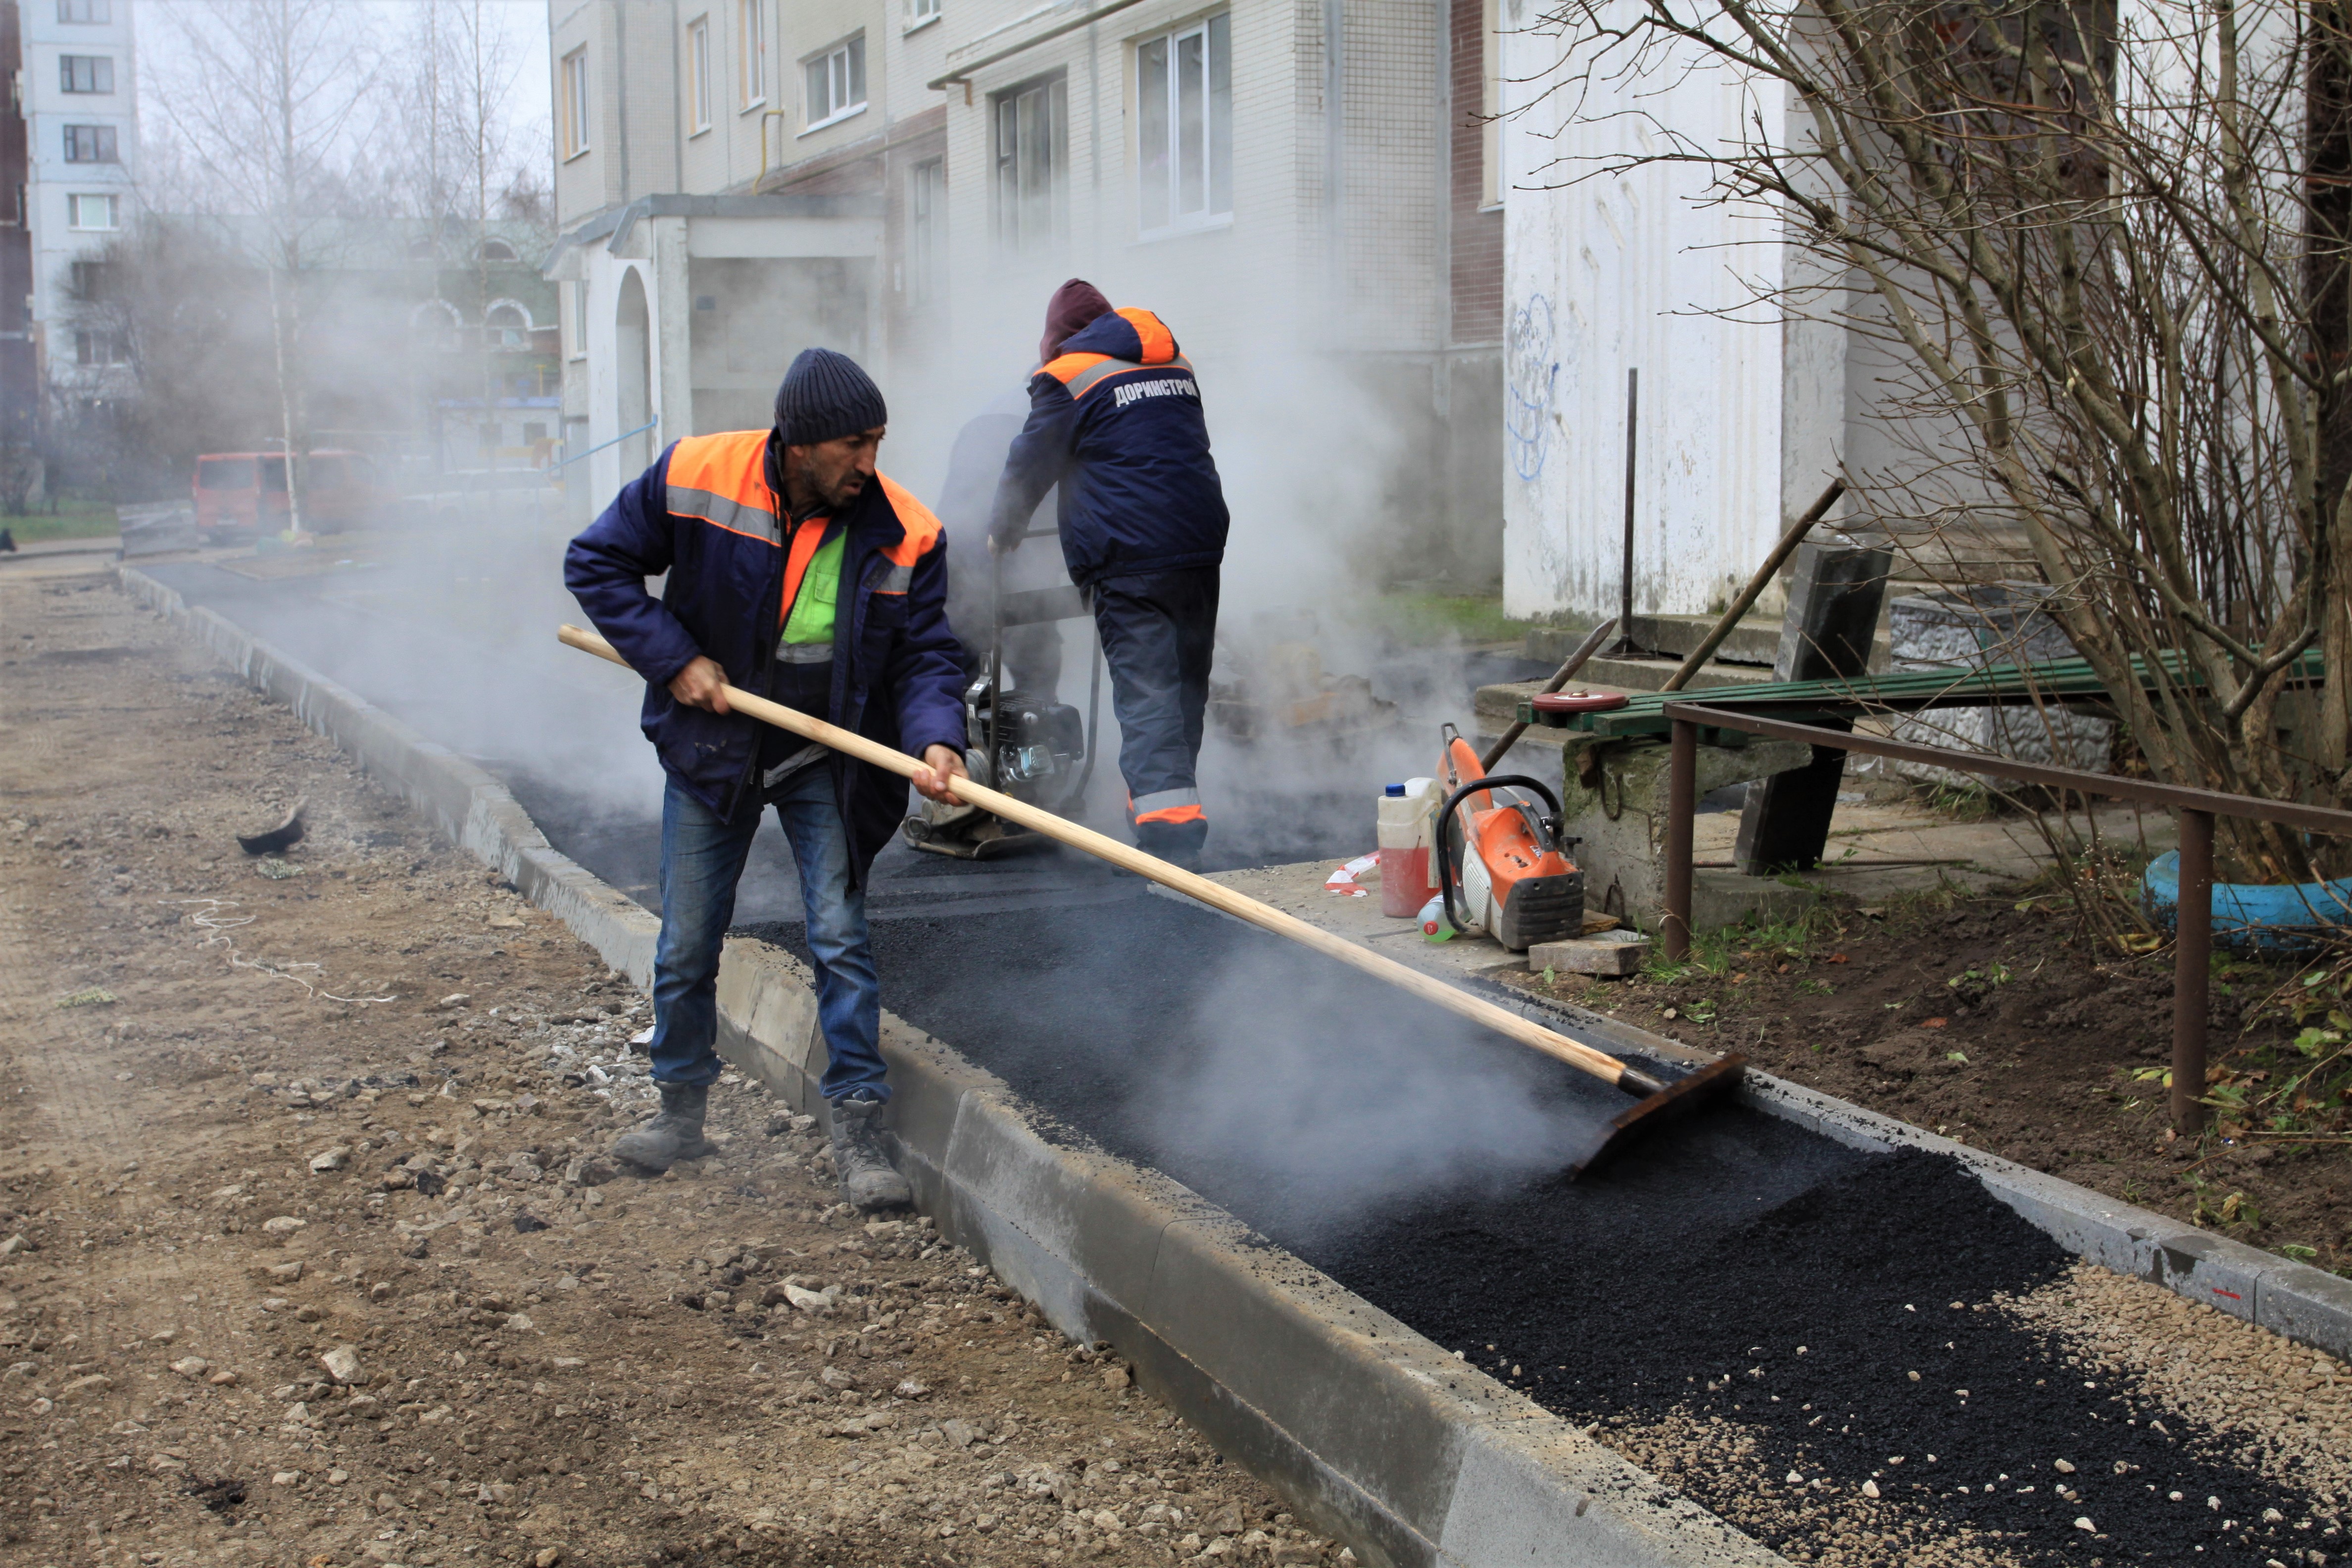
{"x":1503,"y":868}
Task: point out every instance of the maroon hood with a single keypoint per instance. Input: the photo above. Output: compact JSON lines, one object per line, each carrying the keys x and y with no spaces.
{"x":1075,"y":304}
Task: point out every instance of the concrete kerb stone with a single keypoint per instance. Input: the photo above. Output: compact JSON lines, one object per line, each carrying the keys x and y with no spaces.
{"x":1376,"y":1433}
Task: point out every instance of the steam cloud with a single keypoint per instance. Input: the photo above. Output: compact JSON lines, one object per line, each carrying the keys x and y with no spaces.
{"x":1326,"y":1098}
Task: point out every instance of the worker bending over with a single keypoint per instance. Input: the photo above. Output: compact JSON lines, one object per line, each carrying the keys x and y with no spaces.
{"x":1114,"y":417}
{"x":797,"y":572}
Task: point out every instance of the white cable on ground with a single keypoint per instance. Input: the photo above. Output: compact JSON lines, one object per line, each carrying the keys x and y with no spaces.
{"x":208,"y":920}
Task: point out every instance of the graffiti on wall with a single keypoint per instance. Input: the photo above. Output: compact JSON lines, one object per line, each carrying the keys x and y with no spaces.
{"x":1531,"y":374}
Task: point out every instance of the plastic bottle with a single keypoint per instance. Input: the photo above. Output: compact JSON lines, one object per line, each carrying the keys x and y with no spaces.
{"x":1435,"y":926}
{"x":1404,"y":846}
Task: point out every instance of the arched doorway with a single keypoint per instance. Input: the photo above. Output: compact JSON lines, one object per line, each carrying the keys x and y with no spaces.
{"x":633,"y":363}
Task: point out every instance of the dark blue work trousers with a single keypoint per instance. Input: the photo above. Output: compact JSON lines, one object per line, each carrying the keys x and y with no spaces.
{"x":1158,"y":635}
{"x":702,"y":857}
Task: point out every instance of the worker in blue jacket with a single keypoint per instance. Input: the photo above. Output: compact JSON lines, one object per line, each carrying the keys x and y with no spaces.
{"x":796,"y":571}
{"x":1115,"y":418}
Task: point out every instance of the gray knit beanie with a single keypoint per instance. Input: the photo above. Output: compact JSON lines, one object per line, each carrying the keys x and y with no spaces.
{"x":826,"y":395}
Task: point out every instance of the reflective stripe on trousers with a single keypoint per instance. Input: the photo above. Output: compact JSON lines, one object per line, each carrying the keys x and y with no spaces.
{"x":1167,"y":806}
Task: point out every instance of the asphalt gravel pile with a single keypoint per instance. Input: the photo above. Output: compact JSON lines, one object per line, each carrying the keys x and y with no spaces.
{"x":1847,"y":1316}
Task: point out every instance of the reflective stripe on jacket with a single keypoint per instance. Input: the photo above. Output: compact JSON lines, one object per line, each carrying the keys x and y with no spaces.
{"x":705,"y":515}
{"x":1117,"y":420}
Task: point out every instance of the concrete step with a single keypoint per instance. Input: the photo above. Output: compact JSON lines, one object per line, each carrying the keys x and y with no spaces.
{"x":1753,"y":641}
{"x":1746,"y":655}
{"x":1604,"y":674}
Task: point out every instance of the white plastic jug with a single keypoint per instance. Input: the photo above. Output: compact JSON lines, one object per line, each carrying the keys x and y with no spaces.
{"x":1405,"y":814}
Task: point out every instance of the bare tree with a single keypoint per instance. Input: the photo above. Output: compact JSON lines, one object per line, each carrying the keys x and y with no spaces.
{"x":264,"y":97}
{"x":2101,"y":246}
{"x":467,"y":162}
{"x":191,"y":313}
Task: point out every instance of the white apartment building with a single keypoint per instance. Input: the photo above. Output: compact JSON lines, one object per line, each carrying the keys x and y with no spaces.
{"x":1302,"y":192}
{"x":76,"y":89}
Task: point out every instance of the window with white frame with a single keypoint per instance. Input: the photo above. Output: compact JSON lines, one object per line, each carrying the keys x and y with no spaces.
{"x":836,"y":82}
{"x":436,"y":324}
{"x":751,"y":29}
{"x":506,"y":326}
{"x":926,"y":216}
{"x":93,"y":212}
{"x":92,"y":145}
{"x":922,"y":11}
{"x":85,"y":10}
{"x":573,"y":110}
{"x":698,"y":72}
{"x":1032,"y":162}
{"x":85,"y":73}
{"x":580,"y":319}
{"x":1185,"y":126}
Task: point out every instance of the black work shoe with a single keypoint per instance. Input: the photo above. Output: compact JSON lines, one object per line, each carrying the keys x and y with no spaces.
{"x":867,"y":1181}
{"x":675,"y":1134}
{"x":1178,"y":843}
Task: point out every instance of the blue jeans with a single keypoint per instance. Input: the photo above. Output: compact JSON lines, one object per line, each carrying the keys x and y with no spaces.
{"x":702,"y":857}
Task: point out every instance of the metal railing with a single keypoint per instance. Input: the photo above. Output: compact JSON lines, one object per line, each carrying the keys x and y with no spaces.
{"x":2192,"y":959}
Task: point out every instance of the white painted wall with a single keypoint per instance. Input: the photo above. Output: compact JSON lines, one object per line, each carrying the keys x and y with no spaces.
{"x":1606,"y":273}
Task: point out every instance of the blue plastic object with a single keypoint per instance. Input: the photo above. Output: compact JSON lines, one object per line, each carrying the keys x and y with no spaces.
{"x":2273,"y":918}
{"x":1396,"y":792}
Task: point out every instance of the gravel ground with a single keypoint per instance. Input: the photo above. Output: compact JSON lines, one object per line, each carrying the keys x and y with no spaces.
{"x":2283,"y":1407}
{"x":306,"y":1257}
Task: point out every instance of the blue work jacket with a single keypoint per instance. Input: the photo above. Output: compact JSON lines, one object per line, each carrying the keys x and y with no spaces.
{"x":707,"y":514}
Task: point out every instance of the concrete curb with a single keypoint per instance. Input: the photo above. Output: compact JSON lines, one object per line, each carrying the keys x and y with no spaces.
{"x":1377,"y":1435}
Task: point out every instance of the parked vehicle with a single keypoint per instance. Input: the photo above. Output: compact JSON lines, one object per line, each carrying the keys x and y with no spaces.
{"x":245,"y":492}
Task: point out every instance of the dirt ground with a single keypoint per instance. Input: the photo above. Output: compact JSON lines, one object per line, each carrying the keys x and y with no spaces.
{"x":1989,"y":1018}
{"x":306,"y":1257}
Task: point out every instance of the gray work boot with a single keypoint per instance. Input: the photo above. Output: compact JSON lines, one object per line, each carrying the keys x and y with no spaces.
{"x":867,"y":1181}
{"x":675,"y":1134}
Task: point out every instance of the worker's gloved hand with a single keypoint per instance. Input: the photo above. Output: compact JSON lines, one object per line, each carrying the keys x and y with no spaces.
{"x":940,"y":764}
{"x":701,"y":684}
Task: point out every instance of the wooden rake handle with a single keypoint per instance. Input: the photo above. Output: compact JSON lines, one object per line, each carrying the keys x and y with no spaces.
{"x":1217,"y":895}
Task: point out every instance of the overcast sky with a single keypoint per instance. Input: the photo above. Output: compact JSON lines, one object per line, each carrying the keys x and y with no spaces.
{"x":523,"y":21}
{"x":526,"y":21}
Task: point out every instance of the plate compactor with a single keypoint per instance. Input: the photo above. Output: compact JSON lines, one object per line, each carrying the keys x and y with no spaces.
{"x":1027,"y":745}
{"x":1502,"y":866}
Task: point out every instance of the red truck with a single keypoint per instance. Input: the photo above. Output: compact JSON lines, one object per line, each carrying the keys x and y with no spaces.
{"x":245,"y":492}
